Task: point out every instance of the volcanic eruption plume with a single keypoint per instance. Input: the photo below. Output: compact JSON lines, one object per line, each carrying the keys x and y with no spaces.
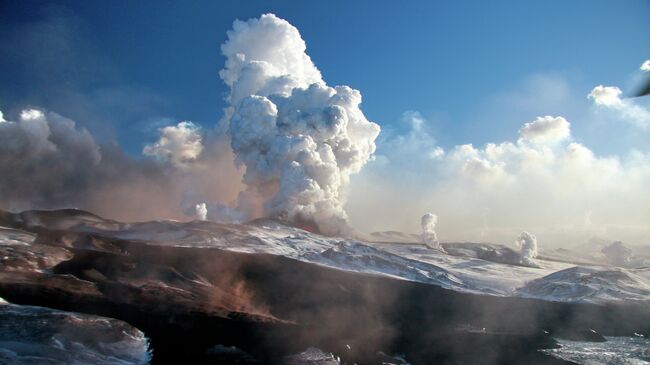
{"x":299,"y":139}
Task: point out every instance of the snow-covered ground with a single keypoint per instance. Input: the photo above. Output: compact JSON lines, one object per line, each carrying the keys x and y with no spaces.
{"x":469,"y":267}
{"x":37,"y":335}
{"x":462,"y":271}
{"x":485,"y":276}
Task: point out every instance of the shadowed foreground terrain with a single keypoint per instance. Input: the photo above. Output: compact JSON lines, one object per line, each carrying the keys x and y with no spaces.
{"x":189,"y":299}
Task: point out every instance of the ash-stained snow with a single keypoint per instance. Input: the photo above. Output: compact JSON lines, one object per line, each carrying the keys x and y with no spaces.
{"x":37,"y":335}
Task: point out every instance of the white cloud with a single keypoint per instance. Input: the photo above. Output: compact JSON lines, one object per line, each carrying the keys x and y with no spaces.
{"x":546,"y":130}
{"x":495,"y":191}
{"x":609,"y":97}
{"x":645,"y":66}
{"x":436,"y":153}
{"x":179,"y":144}
{"x":411,"y":138}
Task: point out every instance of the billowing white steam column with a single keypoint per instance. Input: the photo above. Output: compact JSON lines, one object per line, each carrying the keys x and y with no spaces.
{"x":528,"y":244}
{"x":201,"y":211}
{"x":299,"y":139}
{"x":429,"y":237}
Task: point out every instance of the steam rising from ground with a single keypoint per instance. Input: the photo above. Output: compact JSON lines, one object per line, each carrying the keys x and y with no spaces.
{"x":528,"y":245}
{"x":299,"y":139}
{"x":201,"y":211}
{"x":429,"y":237}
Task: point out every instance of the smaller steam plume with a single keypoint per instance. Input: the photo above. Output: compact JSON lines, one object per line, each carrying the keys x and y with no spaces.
{"x":528,"y":244}
{"x":201,"y":211}
{"x":429,"y":237}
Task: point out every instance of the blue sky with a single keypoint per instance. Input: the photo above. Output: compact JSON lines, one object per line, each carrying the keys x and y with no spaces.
{"x":475,"y":70}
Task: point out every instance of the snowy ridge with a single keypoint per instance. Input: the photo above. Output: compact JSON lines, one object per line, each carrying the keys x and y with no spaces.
{"x":271,"y":237}
{"x":469,"y":267}
{"x":412,"y":262}
{"x":355,"y":256}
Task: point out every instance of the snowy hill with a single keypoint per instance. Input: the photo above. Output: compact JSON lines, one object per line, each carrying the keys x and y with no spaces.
{"x":590,"y":284}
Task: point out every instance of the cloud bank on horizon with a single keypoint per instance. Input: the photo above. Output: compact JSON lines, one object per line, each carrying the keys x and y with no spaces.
{"x":544,"y":181}
{"x":292,"y":145}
